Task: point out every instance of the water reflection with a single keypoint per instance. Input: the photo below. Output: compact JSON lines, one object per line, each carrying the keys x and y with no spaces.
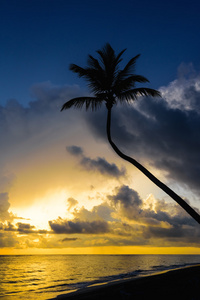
{"x":45,"y":276}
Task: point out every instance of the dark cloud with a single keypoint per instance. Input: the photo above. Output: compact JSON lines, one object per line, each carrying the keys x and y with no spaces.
{"x":127,"y":201}
{"x":22,"y":228}
{"x":160,"y":132}
{"x":164,"y":220}
{"x":25,"y":228}
{"x":75,"y":150}
{"x":175,"y":235}
{"x":126,"y":196}
{"x":173,"y":232}
{"x":68,"y":240}
{"x":77,"y":226}
{"x":9,"y":227}
{"x":99,"y":164}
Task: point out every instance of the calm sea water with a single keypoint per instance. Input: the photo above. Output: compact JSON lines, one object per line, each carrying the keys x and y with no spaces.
{"x":46,"y":276}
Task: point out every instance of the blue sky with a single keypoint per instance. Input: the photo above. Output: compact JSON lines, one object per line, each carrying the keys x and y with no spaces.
{"x":39,"y":39}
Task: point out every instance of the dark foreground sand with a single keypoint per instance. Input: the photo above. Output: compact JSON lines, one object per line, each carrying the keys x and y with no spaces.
{"x":176,"y":284}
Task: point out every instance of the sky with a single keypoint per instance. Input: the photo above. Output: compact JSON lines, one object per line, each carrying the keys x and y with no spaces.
{"x":62,"y":188}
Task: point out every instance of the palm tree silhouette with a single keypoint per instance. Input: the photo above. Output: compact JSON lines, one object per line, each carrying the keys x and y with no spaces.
{"x":110,"y":85}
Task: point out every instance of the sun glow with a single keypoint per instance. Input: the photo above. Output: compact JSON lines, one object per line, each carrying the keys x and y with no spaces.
{"x":46,"y":208}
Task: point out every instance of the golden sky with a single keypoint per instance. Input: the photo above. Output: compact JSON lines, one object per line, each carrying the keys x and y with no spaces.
{"x":63,"y":190}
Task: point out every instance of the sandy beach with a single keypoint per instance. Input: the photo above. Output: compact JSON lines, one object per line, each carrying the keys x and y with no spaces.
{"x":177,"y":284}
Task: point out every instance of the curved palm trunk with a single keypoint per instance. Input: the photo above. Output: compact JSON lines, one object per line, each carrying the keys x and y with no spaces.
{"x":161,"y":185}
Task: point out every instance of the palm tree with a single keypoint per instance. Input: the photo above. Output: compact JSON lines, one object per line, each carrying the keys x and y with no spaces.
{"x":110,"y":85}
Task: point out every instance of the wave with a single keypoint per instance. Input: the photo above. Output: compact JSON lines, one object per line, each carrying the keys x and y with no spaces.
{"x":135,"y":274}
{"x":171,"y":267}
{"x":45,"y":277}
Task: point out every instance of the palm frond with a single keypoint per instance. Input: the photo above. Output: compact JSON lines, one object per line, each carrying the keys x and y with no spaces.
{"x":110,"y":63}
{"x":95,"y":77}
{"x":128,"y":69}
{"x":128,"y":83}
{"x":148,"y":92}
{"x":130,"y":66}
{"x":97,"y":80}
{"x":76,"y":69}
{"x":133,"y":94}
{"x":106,"y":54}
{"x":89,"y":102}
{"x":94,"y":63}
{"x":118,"y":59}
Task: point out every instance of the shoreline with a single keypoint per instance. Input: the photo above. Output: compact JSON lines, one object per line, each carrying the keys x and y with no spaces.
{"x":180,"y":283}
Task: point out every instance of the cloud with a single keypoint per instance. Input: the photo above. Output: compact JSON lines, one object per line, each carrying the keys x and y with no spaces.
{"x":6,"y":180}
{"x":9,"y":227}
{"x":99,"y":164}
{"x":71,"y":203}
{"x":126,"y":196}
{"x":60,"y":226}
{"x":68,"y":240}
{"x":75,"y":150}
{"x":25,"y":228}
{"x":183,"y":93}
{"x":8,"y":240}
{"x":128,"y":201}
{"x":127,"y":219}
{"x":27,"y":128}
{"x":4,"y":206}
{"x":163,"y":133}
{"x":130,"y":205}
{"x":29,"y":137}
{"x":160,"y":133}
{"x":124,"y":219}
{"x":102,"y":212}
{"x":155,"y":220}
{"x":22,"y":228}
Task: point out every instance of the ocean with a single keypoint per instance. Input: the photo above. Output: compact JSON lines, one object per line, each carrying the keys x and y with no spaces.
{"x":46,"y":276}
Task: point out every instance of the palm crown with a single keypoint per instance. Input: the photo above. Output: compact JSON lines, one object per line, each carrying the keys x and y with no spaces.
{"x":108,"y":82}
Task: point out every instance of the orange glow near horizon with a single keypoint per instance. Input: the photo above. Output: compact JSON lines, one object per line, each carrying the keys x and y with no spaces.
{"x":123,"y":250}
